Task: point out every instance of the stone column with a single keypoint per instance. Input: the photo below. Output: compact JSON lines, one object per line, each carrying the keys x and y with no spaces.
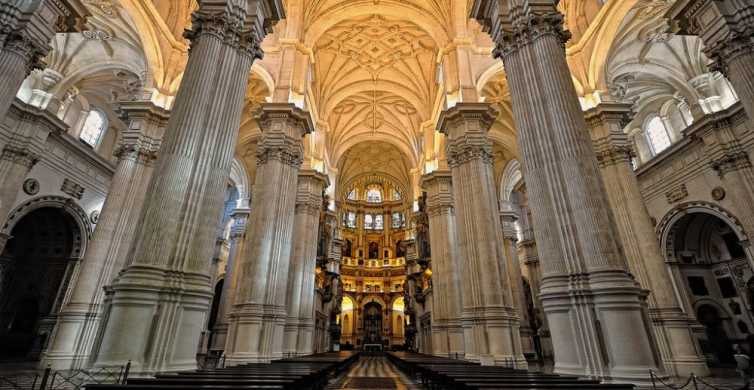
{"x":300,"y":319}
{"x":726,"y":28}
{"x":27,"y":29}
{"x":512,"y":265}
{"x":158,"y":304}
{"x":447,"y":269}
{"x":236,"y":252}
{"x":596,"y":310}
{"x":74,"y":336}
{"x":258,"y":319}
{"x":490,"y":323}
{"x":672,"y":326}
{"x":20,"y":150}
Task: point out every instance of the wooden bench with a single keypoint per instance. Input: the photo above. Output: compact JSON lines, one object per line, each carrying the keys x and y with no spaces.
{"x":307,"y":373}
{"x":444,"y":373}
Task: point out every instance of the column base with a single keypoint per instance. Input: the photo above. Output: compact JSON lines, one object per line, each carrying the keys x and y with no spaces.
{"x":290,"y":337}
{"x":154,"y":318}
{"x":492,"y":337}
{"x":219,"y":337}
{"x":681,"y":354}
{"x":73,"y":338}
{"x":304,"y":345}
{"x":256,"y":334}
{"x":600,"y":327}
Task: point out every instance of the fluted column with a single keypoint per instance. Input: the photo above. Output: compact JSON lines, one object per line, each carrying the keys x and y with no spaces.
{"x":596,"y":310}
{"x":25,"y":35}
{"x":300,"y":319}
{"x":158,"y":304}
{"x":726,"y":27}
{"x":235,"y":253}
{"x":490,"y":323}
{"x":672,"y":326}
{"x":258,"y":319}
{"x":512,"y":264}
{"x":73,"y":339}
{"x":447,"y":268}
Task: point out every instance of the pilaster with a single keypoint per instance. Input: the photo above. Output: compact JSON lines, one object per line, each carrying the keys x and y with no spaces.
{"x":595,"y":309}
{"x":490,"y":323}
{"x":258,"y":319}
{"x":672,"y":328}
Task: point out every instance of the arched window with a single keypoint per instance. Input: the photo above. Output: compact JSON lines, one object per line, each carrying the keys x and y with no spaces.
{"x":94,"y":127}
{"x":368,"y":222}
{"x":374,"y":194}
{"x":397,"y":220}
{"x":396,"y":195}
{"x":657,"y":135}
{"x":351,"y":220}
{"x":352,"y":194}
{"x":378,"y":222}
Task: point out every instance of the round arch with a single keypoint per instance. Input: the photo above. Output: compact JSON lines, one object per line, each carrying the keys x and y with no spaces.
{"x":66,"y":204}
{"x":665,"y":226}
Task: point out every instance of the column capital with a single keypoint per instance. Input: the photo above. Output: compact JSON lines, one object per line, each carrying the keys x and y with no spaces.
{"x":146,"y":123}
{"x":466,"y":126}
{"x":240,"y":218}
{"x":439,"y":186}
{"x":283,"y":128}
{"x":611,"y":144}
{"x":243,"y":28}
{"x":29,"y":29}
{"x":513,"y":26}
{"x":725,"y":27}
{"x":309,"y":191}
{"x":23,"y":157}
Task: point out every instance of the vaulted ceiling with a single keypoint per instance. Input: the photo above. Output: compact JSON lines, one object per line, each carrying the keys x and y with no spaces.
{"x":374,"y":79}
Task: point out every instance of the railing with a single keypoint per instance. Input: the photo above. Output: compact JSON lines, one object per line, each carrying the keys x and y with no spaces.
{"x":694,"y":382}
{"x":65,"y":379}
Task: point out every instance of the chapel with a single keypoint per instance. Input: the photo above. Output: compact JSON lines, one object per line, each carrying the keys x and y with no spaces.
{"x":345,"y":193}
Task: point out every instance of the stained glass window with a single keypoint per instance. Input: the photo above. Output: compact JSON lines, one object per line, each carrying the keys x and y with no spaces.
{"x":351,"y":220}
{"x":368,"y":222}
{"x":397,"y":220}
{"x":378,"y":222}
{"x":374,"y":195}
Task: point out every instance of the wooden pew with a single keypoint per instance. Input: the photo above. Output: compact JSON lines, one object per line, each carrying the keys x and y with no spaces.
{"x":305,"y":373}
{"x":444,"y":373}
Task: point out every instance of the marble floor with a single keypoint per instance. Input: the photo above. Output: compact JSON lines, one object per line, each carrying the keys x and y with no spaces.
{"x":373,"y":372}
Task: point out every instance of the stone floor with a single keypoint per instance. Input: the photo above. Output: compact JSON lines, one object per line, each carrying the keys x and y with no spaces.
{"x":374,"y":373}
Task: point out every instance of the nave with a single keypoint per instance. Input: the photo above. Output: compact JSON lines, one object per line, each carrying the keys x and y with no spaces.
{"x":373,"y":372}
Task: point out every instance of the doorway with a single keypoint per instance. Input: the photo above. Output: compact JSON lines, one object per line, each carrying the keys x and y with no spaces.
{"x":39,"y":260}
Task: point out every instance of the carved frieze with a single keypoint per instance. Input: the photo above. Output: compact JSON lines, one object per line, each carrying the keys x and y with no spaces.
{"x":677,"y":194}
{"x":73,"y":189}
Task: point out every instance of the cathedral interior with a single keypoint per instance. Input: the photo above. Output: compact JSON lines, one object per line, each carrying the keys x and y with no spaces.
{"x":551,"y":186}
